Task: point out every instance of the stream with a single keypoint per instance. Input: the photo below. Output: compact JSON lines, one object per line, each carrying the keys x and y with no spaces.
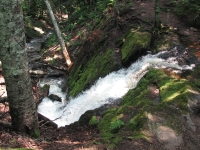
{"x":105,"y":90}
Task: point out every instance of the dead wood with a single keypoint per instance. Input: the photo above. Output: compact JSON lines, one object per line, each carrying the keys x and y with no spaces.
{"x":46,"y":121}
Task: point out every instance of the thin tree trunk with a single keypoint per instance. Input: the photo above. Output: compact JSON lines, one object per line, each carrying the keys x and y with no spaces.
{"x":157,"y":14}
{"x":15,"y":68}
{"x":62,"y":43}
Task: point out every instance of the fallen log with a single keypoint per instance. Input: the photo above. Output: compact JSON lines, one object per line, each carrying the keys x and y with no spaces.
{"x":46,"y":121}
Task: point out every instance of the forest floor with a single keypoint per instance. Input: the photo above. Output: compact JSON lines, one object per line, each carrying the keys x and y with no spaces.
{"x":86,"y":137}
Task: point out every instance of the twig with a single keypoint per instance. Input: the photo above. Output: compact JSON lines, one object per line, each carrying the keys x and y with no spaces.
{"x":59,"y":68}
{"x":44,"y":129}
{"x":44,"y":123}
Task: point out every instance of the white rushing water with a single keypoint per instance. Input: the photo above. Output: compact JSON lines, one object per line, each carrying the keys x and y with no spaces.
{"x":104,"y":91}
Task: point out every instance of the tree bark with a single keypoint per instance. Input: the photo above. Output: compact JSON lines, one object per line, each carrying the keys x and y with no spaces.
{"x":59,"y":35}
{"x":157,"y":14}
{"x":15,"y":68}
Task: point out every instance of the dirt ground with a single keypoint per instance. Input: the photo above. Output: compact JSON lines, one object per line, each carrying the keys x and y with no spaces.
{"x":77,"y":137}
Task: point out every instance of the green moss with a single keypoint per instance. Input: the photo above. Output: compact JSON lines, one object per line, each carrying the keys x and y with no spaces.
{"x":85,"y":75}
{"x":137,"y":103}
{"x":136,"y":123}
{"x":51,"y":41}
{"x":135,"y":41}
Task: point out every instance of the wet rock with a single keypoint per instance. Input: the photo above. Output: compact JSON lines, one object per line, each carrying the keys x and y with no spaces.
{"x":154,"y":94}
{"x":44,"y":91}
{"x":183,"y":55}
{"x":54,"y":97}
{"x":98,"y":112}
{"x":193,"y":29}
{"x":196,"y":108}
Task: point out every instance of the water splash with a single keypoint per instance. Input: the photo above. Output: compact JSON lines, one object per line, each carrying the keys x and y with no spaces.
{"x":104,"y":91}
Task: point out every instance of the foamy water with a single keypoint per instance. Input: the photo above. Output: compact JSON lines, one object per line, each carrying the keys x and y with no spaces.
{"x":104,"y":91}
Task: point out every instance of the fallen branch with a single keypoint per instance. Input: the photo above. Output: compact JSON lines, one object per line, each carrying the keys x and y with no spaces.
{"x":48,"y":65}
{"x":59,"y":35}
{"x":48,"y":122}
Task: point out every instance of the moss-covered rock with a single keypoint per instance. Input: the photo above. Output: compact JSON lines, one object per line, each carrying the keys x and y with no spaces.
{"x":86,"y":74}
{"x":137,"y":109}
{"x":135,"y":41}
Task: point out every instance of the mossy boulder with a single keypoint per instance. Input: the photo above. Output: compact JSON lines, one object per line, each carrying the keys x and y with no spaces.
{"x":135,"y":42}
{"x":134,"y":116}
{"x":99,"y":65}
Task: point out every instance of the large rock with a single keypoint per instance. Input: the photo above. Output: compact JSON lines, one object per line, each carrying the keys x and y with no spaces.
{"x":99,"y":65}
{"x":135,"y":42}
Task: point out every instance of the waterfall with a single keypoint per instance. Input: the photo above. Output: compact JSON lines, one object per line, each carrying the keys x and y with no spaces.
{"x":104,"y":91}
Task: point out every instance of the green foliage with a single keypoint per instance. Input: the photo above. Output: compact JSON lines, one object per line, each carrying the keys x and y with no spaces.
{"x":102,"y":5}
{"x":117,"y":124}
{"x":51,"y":41}
{"x":93,"y":121}
{"x":27,"y":20}
{"x":190,"y":10}
{"x":137,"y":122}
{"x":109,"y":127}
{"x":33,"y":8}
{"x":84,"y":14}
{"x":186,"y":7}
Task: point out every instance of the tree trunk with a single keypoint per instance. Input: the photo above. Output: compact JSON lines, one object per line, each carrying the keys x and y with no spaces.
{"x":157,"y":14}
{"x":62,"y":43}
{"x":15,"y":68}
